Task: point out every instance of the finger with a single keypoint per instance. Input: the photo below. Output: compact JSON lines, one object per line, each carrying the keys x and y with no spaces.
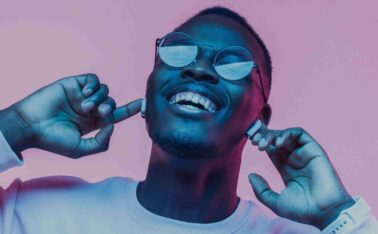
{"x":98,"y":143}
{"x":292,"y":138}
{"x":106,"y":107}
{"x":72,"y":90}
{"x":263,"y":191}
{"x":259,"y":135}
{"x":287,"y":140}
{"x":279,"y":159}
{"x":276,"y":156}
{"x":126,"y":111}
{"x":300,"y":157}
{"x":266,"y":140}
{"x":89,"y":83}
{"x":256,"y":138}
{"x":95,"y":100}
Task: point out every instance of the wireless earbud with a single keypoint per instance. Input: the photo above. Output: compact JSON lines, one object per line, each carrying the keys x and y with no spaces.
{"x":143,"y":108}
{"x":254,"y":128}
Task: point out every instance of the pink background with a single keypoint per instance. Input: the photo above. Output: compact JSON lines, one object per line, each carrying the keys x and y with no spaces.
{"x":325,"y":76}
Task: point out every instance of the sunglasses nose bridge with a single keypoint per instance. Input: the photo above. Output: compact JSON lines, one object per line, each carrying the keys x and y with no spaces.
{"x":201,"y":69}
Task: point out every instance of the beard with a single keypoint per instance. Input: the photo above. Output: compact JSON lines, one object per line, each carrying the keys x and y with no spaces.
{"x":184,"y":145}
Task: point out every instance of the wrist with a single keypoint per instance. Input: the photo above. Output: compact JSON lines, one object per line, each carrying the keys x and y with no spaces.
{"x":15,"y":129}
{"x":329,"y":215}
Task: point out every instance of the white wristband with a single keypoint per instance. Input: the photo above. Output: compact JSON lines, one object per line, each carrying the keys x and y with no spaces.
{"x":350,"y":218}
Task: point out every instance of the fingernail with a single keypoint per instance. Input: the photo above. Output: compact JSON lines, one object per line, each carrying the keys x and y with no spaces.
{"x":87,"y":92}
{"x":86,"y":106}
{"x":262,"y":142}
{"x":279,"y":141}
{"x":105,"y":109}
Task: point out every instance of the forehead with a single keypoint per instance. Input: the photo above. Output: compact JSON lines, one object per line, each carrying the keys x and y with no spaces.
{"x":218,"y":31}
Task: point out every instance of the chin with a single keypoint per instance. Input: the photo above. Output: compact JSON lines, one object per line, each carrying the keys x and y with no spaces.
{"x":184,"y":145}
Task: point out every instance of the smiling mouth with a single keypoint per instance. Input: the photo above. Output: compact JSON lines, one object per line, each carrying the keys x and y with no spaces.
{"x":193,"y":101}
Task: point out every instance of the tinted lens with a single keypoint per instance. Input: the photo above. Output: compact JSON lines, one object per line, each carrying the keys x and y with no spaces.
{"x":177,"y":49}
{"x":234,"y":63}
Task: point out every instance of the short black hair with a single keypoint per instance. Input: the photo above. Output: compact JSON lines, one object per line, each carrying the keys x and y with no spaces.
{"x":219,"y":10}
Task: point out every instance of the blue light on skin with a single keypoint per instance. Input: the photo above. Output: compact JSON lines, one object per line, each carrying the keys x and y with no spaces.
{"x":195,"y":157}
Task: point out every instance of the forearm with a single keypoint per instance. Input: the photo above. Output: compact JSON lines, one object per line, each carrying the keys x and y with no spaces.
{"x":15,"y":130}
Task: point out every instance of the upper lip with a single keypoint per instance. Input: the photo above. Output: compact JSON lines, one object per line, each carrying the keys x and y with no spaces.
{"x":213,"y":96}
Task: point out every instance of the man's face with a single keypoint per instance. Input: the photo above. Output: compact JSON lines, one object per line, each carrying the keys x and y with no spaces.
{"x":188,"y":133}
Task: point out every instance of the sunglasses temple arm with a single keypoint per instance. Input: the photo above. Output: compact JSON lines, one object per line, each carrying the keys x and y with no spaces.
{"x":156,"y":48}
{"x":261,"y":85}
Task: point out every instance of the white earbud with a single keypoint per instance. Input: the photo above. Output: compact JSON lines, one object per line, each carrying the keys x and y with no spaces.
{"x":254,"y":128}
{"x":143,"y":108}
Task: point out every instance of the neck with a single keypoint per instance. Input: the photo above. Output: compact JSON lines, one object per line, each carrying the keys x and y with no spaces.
{"x":191,"y":190}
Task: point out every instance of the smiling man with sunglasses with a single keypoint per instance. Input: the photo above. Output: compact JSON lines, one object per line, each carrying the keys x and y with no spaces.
{"x":206,"y":96}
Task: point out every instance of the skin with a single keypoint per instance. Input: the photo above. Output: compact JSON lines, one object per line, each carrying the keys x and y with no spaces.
{"x":182,"y":181}
{"x":55,"y":117}
{"x":206,"y":182}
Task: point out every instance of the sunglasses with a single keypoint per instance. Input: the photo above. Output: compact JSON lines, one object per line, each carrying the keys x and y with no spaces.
{"x":178,"y":50}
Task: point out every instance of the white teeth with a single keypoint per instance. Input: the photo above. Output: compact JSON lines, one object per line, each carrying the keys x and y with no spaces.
{"x":188,"y":96}
{"x":202,"y":101}
{"x":207,"y":104}
{"x":194,"y":98}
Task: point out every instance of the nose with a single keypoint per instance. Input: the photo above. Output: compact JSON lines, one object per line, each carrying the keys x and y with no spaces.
{"x":200,"y":70}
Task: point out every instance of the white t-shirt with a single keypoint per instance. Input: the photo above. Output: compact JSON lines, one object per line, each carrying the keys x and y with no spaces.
{"x":69,"y":205}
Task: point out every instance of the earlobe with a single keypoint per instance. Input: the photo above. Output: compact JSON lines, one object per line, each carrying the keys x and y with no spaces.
{"x":265,"y":114}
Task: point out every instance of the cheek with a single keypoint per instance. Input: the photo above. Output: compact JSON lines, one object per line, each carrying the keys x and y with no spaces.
{"x":158,"y":78}
{"x":246,"y":106}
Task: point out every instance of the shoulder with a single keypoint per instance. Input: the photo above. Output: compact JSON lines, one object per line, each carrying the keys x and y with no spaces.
{"x":67,"y":184}
{"x":56,"y":189}
{"x":61,"y":199}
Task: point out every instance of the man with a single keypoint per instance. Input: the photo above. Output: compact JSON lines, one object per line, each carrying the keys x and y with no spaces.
{"x":210,"y":81}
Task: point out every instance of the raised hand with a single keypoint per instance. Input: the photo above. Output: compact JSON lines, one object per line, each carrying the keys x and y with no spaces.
{"x":58,"y":115}
{"x":313,"y":193}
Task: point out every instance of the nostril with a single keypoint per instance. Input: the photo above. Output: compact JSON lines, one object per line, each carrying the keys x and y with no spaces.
{"x":188,"y":73}
{"x":208,"y":77}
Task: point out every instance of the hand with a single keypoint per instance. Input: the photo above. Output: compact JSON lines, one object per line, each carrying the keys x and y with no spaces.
{"x":313,"y":193}
{"x":59,"y":114}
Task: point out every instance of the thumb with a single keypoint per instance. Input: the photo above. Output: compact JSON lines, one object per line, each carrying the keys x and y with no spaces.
{"x":263,"y":191}
{"x":98,"y":143}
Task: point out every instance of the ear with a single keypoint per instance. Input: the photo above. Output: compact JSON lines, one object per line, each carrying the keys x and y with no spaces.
{"x":265,"y":114}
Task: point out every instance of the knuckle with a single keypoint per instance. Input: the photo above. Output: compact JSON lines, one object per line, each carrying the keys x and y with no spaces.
{"x":111,"y":100}
{"x":92,"y":77}
{"x":264,"y":194}
{"x":105,"y":87}
{"x":128,"y":111}
{"x":298,"y":129}
{"x":105,"y":147}
{"x":294,"y":130}
{"x":112,"y":103}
